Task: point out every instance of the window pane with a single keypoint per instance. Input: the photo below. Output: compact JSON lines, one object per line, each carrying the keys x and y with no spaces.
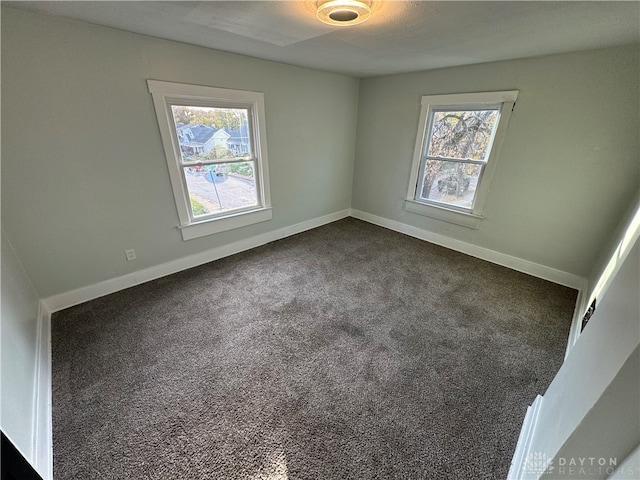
{"x":461,"y":134}
{"x":452,"y":183}
{"x":208,"y":133}
{"x":221,"y":187}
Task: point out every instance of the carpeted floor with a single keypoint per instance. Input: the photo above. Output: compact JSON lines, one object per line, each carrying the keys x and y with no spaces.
{"x":345,"y":352}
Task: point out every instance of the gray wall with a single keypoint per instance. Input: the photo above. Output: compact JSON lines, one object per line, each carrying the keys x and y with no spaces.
{"x":569,"y":164}
{"x":19,"y":346}
{"x":84,"y":175}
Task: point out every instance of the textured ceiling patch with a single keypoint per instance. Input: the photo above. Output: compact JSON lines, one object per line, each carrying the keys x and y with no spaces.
{"x":262,"y":21}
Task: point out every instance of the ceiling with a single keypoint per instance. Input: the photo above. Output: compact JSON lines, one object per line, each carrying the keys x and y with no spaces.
{"x":400,"y":36}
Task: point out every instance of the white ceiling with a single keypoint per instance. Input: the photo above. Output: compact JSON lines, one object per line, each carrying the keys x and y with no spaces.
{"x":400,"y":36}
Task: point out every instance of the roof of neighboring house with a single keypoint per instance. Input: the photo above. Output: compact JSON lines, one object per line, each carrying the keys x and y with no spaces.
{"x":221,"y":132}
{"x":201,"y":133}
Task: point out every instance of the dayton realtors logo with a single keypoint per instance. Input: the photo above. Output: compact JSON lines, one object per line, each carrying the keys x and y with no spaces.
{"x":587,"y":466}
{"x":538,"y":463}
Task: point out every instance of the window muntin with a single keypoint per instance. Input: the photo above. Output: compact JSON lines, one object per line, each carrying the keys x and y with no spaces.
{"x":456,"y":149}
{"x":215,"y":146}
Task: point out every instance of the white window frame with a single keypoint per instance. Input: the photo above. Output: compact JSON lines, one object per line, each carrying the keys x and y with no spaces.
{"x":466,"y":217}
{"x":166,"y":94}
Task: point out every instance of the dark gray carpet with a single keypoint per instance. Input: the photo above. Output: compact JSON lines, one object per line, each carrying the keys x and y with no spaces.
{"x":345,"y":352}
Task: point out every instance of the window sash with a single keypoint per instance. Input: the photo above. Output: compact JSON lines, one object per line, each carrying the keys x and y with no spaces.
{"x":433,"y":109}
{"x":222,"y":213}
{"x":420,"y":188}
{"x":211,"y":104}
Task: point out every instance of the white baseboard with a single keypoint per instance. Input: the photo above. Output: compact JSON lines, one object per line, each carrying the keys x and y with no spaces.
{"x":516,"y":471}
{"x":84,"y":294}
{"x":42,"y":436}
{"x":514,"y":263}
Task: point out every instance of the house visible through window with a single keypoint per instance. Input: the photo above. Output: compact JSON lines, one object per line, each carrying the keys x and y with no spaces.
{"x":456,"y":150}
{"x":216,"y":153}
{"x":216,"y":158}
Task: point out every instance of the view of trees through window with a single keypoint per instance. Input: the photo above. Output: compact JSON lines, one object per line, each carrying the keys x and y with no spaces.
{"x":215,"y":149}
{"x":456,"y":148}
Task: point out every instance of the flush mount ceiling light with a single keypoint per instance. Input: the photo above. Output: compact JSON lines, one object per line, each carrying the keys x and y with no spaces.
{"x":343,"y":12}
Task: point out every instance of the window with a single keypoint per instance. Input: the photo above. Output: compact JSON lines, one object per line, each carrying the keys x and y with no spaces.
{"x":458,"y":140}
{"x":215,"y":145}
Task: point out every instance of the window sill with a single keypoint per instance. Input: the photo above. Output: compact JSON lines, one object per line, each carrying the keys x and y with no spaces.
{"x":464,"y":219}
{"x":222,"y":224}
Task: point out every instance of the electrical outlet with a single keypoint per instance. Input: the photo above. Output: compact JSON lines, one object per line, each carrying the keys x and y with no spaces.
{"x":130,"y":254}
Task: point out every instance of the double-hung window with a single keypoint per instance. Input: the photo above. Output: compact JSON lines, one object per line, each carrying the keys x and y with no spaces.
{"x":459,"y":137}
{"x":215,"y":146}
